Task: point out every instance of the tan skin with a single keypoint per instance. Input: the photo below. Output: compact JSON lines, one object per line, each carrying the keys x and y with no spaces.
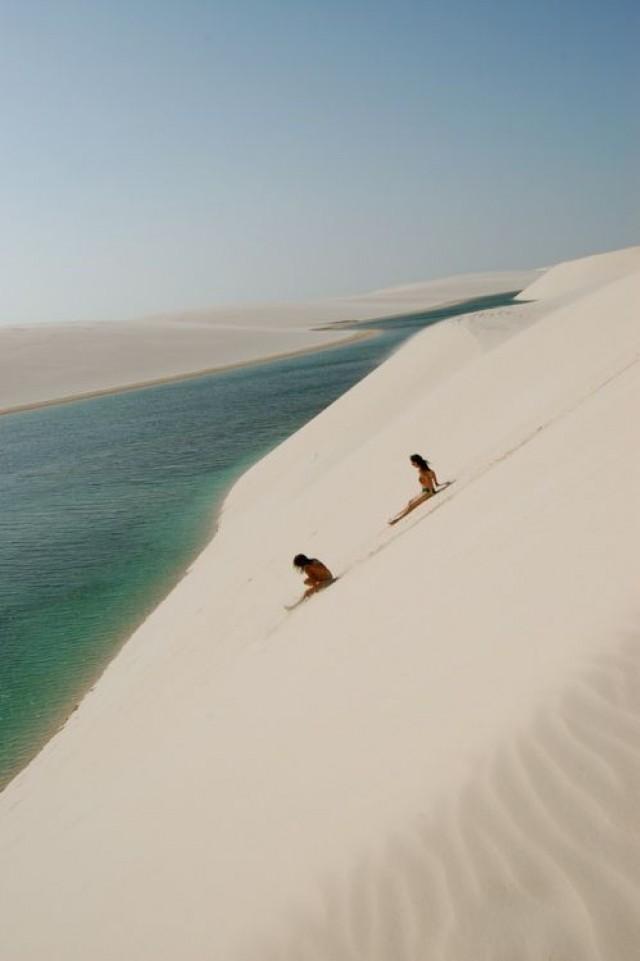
{"x":317,"y":576}
{"x":428,"y":483}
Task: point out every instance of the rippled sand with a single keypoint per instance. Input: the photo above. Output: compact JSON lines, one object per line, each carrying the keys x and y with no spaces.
{"x":436,"y":758}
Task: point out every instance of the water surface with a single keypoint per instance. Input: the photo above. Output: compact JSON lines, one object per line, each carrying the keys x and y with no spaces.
{"x":104,"y":502}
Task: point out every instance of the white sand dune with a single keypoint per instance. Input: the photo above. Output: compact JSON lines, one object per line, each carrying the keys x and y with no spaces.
{"x":437,"y":758}
{"x":584,"y":274}
{"x":47,"y":362}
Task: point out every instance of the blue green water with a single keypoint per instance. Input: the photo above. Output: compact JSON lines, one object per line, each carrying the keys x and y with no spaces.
{"x":104,"y":502}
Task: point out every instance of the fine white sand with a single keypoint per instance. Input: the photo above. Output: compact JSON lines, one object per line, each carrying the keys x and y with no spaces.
{"x":48,"y":362}
{"x":437,"y":758}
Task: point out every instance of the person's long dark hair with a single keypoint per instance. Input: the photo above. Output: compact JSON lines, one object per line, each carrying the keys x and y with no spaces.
{"x":301,"y":560}
{"x":419,"y":461}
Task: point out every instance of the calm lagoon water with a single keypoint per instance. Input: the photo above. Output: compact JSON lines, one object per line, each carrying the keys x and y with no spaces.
{"x":104,"y":503}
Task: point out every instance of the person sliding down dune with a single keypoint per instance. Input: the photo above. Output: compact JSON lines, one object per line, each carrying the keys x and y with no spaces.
{"x":428,"y":481}
{"x":317,"y":574}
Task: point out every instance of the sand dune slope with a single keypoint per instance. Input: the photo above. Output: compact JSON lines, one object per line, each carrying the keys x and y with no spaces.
{"x":588,"y":272}
{"x":537,"y":857}
{"x":437,"y":758}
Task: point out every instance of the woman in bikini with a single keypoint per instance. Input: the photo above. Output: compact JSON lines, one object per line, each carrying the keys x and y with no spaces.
{"x":428,"y":482}
{"x":316,"y":574}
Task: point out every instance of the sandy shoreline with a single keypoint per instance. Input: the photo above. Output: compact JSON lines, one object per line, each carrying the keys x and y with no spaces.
{"x":190,"y":375}
{"x":357,"y":336}
{"x":43,"y":364}
{"x":449,"y":725}
{"x":75,"y":702}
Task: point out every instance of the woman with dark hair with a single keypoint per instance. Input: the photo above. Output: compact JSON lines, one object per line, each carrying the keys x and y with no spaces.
{"x":428,"y":482}
{"x":317,"y":575}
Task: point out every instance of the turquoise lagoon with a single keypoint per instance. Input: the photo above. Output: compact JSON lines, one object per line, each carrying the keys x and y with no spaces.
{"x":104,"y":502}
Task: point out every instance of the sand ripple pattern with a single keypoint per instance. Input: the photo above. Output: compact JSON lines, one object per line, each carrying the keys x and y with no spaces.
{"x":537,"y":860}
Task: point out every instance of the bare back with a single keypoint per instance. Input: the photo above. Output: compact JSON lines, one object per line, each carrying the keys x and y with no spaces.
{"x":428,"y":480}
{"x":317,"y":572}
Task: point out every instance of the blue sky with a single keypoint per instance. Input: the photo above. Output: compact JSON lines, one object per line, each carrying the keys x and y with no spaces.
{"x":160,"y":155}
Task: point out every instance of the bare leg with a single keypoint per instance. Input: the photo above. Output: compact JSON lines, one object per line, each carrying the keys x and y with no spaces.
{"x":309,"y":591}
{"x":291,"y":607}
{"x":413,"y":503}
{"x":313,"y":588}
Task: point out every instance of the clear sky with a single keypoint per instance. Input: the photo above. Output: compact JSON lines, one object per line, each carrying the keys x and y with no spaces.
{"x":161,"y":154}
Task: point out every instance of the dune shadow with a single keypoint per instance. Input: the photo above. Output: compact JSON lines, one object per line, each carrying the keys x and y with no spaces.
{"x":537,"y":859}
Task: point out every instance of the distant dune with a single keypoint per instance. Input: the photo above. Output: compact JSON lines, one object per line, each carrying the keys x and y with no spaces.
{"x":438,"y":758}
{"x":45,"y":363}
